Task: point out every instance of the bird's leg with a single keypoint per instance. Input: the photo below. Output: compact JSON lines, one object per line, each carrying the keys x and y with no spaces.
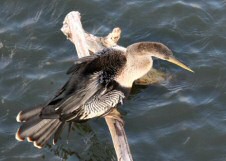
{"x":114,"y":114}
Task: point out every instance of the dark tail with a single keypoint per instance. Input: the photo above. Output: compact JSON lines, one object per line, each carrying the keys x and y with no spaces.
{"x":36,"y":129}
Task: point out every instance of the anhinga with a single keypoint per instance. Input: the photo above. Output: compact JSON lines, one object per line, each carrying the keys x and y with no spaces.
{"x":97,"y":84}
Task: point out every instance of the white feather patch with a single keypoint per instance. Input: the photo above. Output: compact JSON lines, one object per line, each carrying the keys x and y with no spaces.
{"x":18,"y":117}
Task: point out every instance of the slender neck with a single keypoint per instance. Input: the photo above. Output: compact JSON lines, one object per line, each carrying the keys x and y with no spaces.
{"x":139,"y":61}
{"x":136,"y":66}
{"x":139,"y":64}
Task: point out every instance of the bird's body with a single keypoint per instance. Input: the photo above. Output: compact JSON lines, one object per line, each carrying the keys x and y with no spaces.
{"x":97,"y":84}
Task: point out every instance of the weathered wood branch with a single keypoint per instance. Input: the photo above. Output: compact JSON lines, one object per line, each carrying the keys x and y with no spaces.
{"x":84,"y":43}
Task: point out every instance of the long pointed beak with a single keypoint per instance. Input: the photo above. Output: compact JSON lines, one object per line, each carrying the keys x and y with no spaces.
{"x":177,"y":62}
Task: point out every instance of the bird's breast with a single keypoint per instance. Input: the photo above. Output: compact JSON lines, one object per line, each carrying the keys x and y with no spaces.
{"x":133,"y":71}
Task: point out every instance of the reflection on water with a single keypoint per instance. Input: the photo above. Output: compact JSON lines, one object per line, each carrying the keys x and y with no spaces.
{"x":181,"y":119}
{"x":90,"y":148}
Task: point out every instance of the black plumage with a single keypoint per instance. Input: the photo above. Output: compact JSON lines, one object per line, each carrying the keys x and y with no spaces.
{"x":91,"y":84}
{"x":90,"y":92}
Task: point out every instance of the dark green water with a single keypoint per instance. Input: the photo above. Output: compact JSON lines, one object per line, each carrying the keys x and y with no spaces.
{"x":182,"y":119}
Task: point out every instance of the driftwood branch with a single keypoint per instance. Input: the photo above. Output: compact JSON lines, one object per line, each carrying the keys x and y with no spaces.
{"x":72,"y":28}
{"x":85,"y":42}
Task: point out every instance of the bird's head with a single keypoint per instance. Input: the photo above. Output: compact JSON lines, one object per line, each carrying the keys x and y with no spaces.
{"x":157,"y":50}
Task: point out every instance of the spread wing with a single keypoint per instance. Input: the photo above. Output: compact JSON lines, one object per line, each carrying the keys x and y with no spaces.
{"x":98,"y":105}
{"x":91,"y":90}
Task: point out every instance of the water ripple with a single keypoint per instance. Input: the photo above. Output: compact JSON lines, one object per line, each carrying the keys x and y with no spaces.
{"x":180,"y":119}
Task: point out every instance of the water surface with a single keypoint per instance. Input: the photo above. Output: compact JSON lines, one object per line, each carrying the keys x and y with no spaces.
{"x":183,"y":118}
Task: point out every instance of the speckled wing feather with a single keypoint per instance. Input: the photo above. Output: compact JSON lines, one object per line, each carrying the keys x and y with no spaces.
{"x":101,"y":103}
{"x":91,"y":91}
{"x":97,"y":106}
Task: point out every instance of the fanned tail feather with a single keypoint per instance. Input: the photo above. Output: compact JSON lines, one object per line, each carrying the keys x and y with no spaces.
{"x":28,"y":114}
{"x":36,"y":129}
{"x":43,"y":139}
{"x":58,"y":133}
